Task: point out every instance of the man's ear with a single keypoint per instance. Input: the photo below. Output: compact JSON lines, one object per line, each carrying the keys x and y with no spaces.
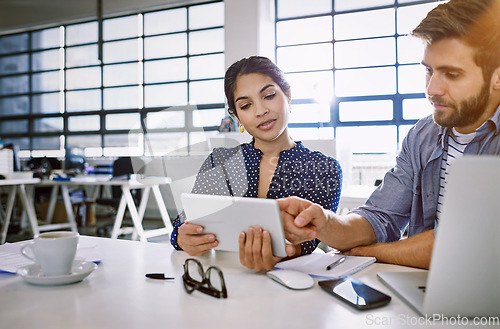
{"x":495,"y":79}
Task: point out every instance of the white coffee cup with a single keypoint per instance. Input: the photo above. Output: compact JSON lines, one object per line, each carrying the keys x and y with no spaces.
{"x":54,"y":252}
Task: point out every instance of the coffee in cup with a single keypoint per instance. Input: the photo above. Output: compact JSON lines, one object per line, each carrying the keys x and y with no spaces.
{"x":54,"y":252}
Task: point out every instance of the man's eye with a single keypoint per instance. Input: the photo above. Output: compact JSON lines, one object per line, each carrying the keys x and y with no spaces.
{"x":452,"y":75}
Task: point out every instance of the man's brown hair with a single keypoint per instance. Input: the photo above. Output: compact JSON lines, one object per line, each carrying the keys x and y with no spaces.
{"x":476,"y":22}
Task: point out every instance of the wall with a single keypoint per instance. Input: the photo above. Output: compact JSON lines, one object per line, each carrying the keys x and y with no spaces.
{"x":249,"y":29}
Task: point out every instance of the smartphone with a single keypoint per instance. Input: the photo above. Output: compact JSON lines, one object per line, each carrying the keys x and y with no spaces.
{"x":355,"y":293}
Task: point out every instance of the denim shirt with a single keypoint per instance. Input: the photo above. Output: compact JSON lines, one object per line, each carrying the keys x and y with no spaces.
{"x":409,"y":192}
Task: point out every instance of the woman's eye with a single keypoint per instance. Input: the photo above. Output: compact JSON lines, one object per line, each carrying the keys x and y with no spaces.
{"x":270,"y":96}
{"x":244,"y":106}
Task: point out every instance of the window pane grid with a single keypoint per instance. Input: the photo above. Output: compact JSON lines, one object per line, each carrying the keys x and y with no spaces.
{"x":370,"y":70}
{"x":51,"y":79}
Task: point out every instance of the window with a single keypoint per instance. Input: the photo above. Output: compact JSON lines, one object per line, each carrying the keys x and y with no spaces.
{"x":362,"y":81}
{"x":160,"y":70}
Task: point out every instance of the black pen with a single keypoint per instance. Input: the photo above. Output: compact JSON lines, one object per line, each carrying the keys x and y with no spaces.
{"x":158,"y":276}
{"x":336,"y":263}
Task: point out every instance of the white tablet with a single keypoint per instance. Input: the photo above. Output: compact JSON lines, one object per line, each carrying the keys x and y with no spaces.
{"x":227,"y":217}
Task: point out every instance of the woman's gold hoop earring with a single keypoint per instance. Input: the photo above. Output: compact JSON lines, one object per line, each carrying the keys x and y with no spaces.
{"x":242,"y":129}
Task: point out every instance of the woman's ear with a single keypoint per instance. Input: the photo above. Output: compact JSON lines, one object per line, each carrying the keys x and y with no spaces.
{"x":233,"y":113}
{"x":289,"y":95}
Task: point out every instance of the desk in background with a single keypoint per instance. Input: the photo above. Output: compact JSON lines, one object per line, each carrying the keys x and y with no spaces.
{"x":146,"y":184}
{"x":117,"y":295}
{"x":23,"y":187}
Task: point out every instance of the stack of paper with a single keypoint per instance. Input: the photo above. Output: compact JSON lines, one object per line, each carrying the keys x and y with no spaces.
{"x":315,"y":264}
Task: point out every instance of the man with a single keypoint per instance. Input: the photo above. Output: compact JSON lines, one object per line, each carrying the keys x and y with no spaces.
{"x":462,"y":61}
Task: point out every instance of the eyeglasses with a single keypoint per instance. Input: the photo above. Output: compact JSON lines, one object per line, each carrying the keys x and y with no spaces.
{"x":210,"y":282}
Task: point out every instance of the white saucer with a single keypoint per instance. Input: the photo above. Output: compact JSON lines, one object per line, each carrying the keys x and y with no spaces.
{"x":34,"y":275}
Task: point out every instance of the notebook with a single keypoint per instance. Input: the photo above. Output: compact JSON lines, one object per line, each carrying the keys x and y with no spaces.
{"x":464,"y":275}
{"x":315,"y":265}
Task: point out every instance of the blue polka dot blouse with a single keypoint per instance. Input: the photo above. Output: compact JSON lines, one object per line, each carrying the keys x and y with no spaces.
{"x":300,"y":172}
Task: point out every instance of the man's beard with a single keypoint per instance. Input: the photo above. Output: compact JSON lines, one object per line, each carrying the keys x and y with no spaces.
{"x":467,"y":112}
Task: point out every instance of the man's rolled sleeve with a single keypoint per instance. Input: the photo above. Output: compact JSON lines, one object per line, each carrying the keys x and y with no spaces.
{"x":386,"y":228}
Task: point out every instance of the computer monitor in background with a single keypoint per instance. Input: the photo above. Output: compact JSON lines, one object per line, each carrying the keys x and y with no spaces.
{"x":17,"y":161}
{"x":75,"y":159}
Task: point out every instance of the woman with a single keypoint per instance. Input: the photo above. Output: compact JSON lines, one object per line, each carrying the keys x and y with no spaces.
{"x":271,"y":166}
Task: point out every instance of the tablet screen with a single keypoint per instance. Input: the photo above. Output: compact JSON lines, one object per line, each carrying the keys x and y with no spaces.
{"x":227,"y":216}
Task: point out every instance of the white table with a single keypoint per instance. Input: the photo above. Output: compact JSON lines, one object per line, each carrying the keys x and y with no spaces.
{"x":117,"y":295}
{"x":146,"y":184}
{"x":19,"y":186}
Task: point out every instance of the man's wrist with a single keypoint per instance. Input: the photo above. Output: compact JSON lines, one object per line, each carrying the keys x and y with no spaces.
{"x":326,"y":232}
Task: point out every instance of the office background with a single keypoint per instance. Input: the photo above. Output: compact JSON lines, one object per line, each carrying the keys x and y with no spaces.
{"x":354,"y":71}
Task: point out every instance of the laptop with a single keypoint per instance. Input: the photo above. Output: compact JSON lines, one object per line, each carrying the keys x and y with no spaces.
{"x":464,"y":275}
